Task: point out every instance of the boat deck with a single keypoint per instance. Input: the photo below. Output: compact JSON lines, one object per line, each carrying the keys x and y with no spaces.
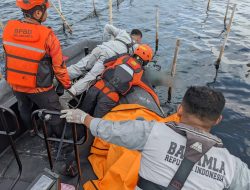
{"x":33,"y":156}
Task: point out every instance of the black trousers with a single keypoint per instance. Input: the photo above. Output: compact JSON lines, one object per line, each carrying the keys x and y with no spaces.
{"x":96,"y":103}
{"x":44,"y":100}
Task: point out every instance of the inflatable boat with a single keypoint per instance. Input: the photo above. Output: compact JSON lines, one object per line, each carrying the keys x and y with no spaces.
{"x":30,"y":154}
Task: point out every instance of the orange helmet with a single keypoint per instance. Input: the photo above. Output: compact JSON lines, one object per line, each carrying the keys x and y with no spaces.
{"x":29,"y":4}
{"x":145,"y":52}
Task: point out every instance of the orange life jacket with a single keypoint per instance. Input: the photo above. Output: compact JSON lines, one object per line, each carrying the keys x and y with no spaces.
{"x":123,"y":73}
{"x":27,"y":64}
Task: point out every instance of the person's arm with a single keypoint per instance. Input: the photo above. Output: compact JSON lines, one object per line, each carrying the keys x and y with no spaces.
{"x":110,"y":30}
{"x":130,"y":134}
{"x":241,"y":179}
{"x":78,"y":69}
{"x":53,"y":48}
{"x":83,"y":84}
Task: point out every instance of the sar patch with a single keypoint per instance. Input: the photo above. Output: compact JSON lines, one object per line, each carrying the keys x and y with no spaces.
{"x":133,"y":63}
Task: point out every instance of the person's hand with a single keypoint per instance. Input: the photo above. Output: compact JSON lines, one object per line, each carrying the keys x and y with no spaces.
{"x":74,"y":115}
{"x":66,"y":97}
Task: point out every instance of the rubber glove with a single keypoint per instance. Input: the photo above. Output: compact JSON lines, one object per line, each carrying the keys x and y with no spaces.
{"x":66,"y":97}
{"x":74,"y":116}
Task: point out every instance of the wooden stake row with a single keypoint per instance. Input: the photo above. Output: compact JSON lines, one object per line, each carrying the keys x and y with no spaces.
{"x":226,"y":37}
{"x":173,"y":70}
{"x":157,"y":31}
{"x":62,"y":17}
{"x":60,"y":5}
{"x":208,"y":5}
{"x":225,"y":18}
{"x":94,"y":11}
{"x":1,"y":24}
{"x":110,"y":12}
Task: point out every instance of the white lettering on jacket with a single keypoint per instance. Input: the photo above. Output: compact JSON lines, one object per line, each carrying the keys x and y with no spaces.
{"x":207,"y":166}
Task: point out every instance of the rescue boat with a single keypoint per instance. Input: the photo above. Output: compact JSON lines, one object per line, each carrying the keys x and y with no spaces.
{"x":98,"y":170}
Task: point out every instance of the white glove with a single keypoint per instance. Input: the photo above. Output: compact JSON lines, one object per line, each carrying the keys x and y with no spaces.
{"x":74,"y":116}
{"x":66,"y":97}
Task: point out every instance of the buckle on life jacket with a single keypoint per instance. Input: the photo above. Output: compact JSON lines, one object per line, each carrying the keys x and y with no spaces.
{"x":107,"y":91}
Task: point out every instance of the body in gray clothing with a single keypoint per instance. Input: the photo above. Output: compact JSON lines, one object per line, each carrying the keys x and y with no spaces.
{"x":92,"y":65}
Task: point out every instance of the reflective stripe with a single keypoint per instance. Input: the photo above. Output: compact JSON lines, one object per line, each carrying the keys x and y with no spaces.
{"x":113,"y":96}
{"x":22,"y":72}
{"x":23,"y":46}
{"x":105,"y":90}
{"x":22,"y":58}
{"x":100,"y":84}
{"x":127,"y":68}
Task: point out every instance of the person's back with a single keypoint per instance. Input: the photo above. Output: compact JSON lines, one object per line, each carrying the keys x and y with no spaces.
{"x":164,"y":152}
{"x":122,"y":42}
{"x":33,"y":58}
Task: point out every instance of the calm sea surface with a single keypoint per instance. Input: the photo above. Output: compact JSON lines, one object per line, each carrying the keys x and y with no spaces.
{"x":201,"y":34}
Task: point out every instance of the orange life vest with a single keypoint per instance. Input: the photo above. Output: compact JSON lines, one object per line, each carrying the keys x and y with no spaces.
{"x":123,"y":73}
{"x":27,"y":64}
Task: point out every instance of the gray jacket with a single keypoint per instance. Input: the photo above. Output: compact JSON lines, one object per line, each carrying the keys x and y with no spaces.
{"x":93,"y":63}
{"x":162,"y":154}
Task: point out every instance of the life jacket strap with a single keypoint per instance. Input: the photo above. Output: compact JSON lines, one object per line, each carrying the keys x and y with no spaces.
{"x":181,"y":175}
{"x":127,"y":45}
{"x":198,"y":144}
{"x":107,"y":91}
{"x":177,"y":181}
{"x":145,"y":184}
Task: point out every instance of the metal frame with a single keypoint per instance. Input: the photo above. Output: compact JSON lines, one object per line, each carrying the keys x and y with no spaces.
{"x":45,"y":116}
{"x":7,"y":132}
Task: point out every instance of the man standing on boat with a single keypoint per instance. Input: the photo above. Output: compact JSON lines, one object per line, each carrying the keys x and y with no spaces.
{"x":33,"y":57}
{"x":93,"y":63}
{"x":176,"y":156}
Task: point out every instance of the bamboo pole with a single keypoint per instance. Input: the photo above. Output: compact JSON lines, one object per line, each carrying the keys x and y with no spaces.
{"x":173,"y":70}
{"x":60,"y":5}
{"x":110,"y":12}
{"x":95,"y":12}
{"x":62,"y":17}
{"x":1,"y":24}
{"x":226,"y":37}
{"x":225,"y":18}
{"x":208,"y":5}
{"x":157,"y":31}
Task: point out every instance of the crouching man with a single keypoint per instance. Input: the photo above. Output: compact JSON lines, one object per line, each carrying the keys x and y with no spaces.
{"x":181,"y":155}
{"x":120,"y":75}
